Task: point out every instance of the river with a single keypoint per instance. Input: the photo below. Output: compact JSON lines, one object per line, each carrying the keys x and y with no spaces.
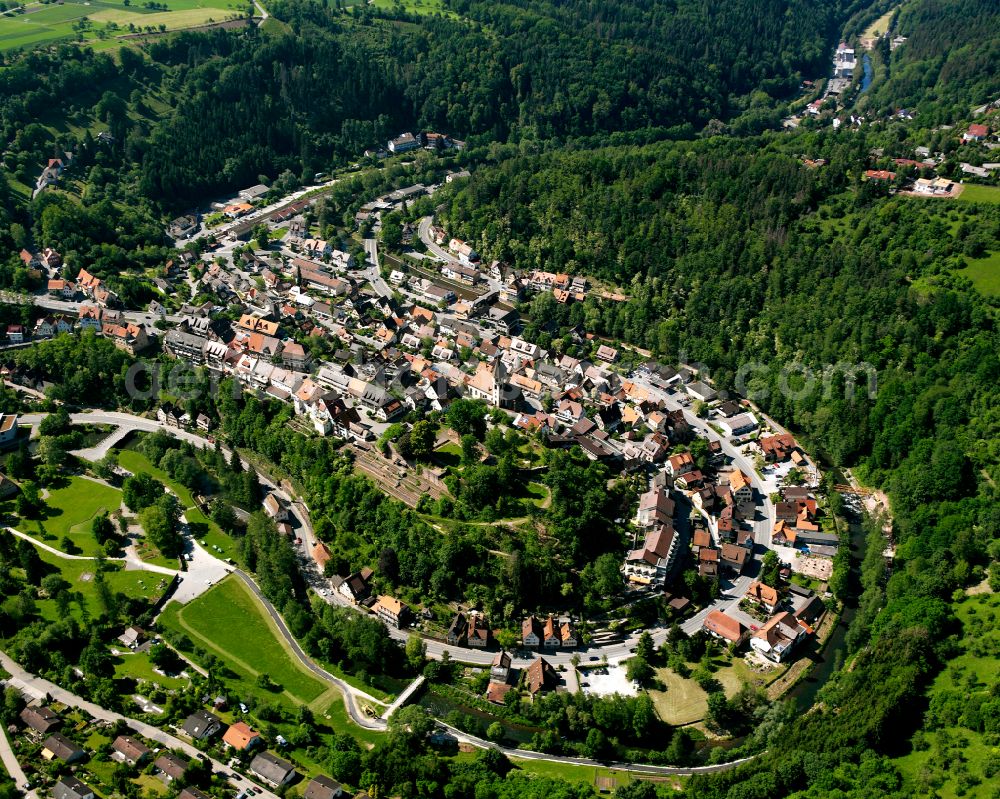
{"x":869,"y":73}
{"x":805,"y":690}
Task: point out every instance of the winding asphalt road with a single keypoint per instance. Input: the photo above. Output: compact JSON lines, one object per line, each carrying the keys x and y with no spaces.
{"x":351,"y":694}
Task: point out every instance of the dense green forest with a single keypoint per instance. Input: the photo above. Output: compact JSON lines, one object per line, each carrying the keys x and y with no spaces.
{"x":196,"y":113}
{"x":948,"y":63}
{"x":733,"y":253}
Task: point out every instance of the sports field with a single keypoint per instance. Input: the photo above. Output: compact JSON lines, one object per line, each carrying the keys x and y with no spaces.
{"x":39,"y":23}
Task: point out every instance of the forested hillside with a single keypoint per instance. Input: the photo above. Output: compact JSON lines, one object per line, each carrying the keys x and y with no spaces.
{"x":949,"y":61}
{"x":202,"y":112}
{"x":734,"y":254}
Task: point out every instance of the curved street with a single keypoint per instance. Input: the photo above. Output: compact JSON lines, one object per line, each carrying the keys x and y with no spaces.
{"x":435,"y":648}
{"x":39,"y":687}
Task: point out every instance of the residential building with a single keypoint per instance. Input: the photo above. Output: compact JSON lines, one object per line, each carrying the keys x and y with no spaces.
{"x":719,"y":625}
{"x":171,"y":766}
{"x":403,"y":143}
{"x":531,"y":632}
{"x":241,"y":737}
{"x":763,"y":594}
{"x":129,"y":750}
{"x":130,"y":337}
{"x":777,"y":448}
{"x":650,"y":564}
{"x":202,"y":726}
{"x":540,"y":676}
{"x":70,"y":787}
{"x":478,"y":635}
{"x":355,"y":586}
{"x":187,"y":346}
{"x":976,"y":132}
{"x":132,"y":637}
{"x":778,"y":637}
{"x":322,"y":787}
{"x":551,"y":639}
{"x":8,"y":429}
{"x":458,"y":630}
{"x":272,"y":769}
{"x":275,"y":508}
{"x":655,"y":507}
{"x":734,"y":557}
{"x":740,"y":487}
{"x":41,"y":718}
{"x":391,"y":611}
{"x":58,"y":747}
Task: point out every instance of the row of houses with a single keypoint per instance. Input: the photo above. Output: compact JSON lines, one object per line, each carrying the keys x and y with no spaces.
{"x":783,"y":633}
{"x":539,"y":676}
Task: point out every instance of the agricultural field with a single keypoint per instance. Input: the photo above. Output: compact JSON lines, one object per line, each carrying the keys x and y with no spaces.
{"x":68,"y":514}
{"x":103,"y":21}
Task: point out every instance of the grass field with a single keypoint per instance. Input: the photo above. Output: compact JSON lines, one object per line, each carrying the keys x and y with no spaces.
{"x":984,"y":274}
{"x":879,"y":26}
{"x":80,"y":575}
{"x":203,"y":528}
{"x":136,"y":665}
{"x":229,"y":622}
{"x":69,"y":512}
{"x":422,"y":7}
{"x":979,"y":194}
{"x":685,"y":702}
{"x":136,"y":462}
{"x":39,"y":24}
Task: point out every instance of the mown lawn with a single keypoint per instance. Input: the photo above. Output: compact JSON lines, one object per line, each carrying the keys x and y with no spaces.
{"x":69,"y":512}
{"x":228,"y":621}
{"x":202,"y":528}
{"x":136,"y":462}
{"x":984,"y":274}
{"x":979,"y":194}
{"x":685,"y":702}
{"x":80,"y":575}
{"x":136,"y":665}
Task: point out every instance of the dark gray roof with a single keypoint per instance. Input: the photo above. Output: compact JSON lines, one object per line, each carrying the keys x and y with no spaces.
{"x":71,"y":788}
{"x":62,"y":747}
{"x":202,"y":725}
{"x":322,"y":787}
{"x":271,"y":767}
{"x":40,"y":718}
